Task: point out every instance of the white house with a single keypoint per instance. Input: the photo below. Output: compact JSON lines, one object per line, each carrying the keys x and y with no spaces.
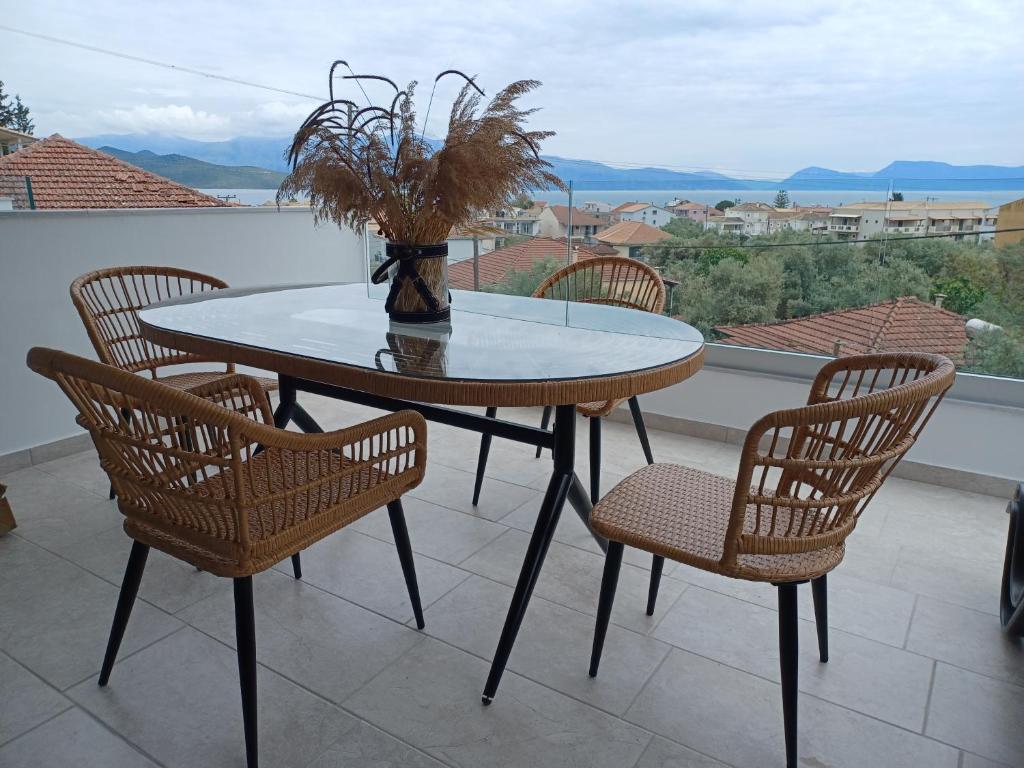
{"x":647,"y":213}
{"x":554,"y":222}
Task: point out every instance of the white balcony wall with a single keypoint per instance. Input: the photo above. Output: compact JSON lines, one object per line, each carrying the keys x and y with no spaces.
{"x":41,"y":252}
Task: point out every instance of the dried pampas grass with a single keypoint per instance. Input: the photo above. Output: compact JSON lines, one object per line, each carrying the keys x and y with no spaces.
{"x":357,"y":164}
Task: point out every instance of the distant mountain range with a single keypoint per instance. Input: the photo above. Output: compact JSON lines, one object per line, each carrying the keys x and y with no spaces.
{"x":249,"y":162}
{"x":197,"y":173}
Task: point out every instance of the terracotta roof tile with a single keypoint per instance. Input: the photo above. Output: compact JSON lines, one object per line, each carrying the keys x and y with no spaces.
{"x":906,"y":323}
{"x":632,"y":233}
{"x":579,"y":218}
{"x":496,"y":265}
{"x":66,"y":174}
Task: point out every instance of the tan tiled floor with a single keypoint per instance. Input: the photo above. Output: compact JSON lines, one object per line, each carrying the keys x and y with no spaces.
{"x":920,"y":674}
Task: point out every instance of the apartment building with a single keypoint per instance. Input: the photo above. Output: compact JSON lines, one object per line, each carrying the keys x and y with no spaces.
{"x":514,"y":221}
{"x":961,"y":219}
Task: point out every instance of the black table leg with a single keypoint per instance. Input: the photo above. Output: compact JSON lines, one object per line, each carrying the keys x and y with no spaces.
{"x":559,"y":487}
{"x":288,"y":408}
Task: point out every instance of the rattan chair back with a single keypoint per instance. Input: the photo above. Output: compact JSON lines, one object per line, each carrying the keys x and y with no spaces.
{"x":806,"y":474}
{"x":108,"y":301}
{"x":205,"y":476}
{"x":614,"y":280}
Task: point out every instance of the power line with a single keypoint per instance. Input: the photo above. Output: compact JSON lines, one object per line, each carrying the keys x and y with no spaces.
{"x":675,"y":168}
{"x":163,"y":64}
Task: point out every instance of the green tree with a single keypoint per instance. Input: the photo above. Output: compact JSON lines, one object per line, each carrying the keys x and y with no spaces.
{"x":723,"y":205}
{"x":683,"y":227}
{"x":14,"y":115}
{"x":897,"y":197}
{"x":962,"y":295}
{"x":525,"y":282}
{"x":998,"y":353}
{"x":522,"y":201}
{"x":781,"y":199}
{"x":732,"y":293}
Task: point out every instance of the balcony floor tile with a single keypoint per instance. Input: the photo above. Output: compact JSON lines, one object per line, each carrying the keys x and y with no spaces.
{"x":345,"y":679}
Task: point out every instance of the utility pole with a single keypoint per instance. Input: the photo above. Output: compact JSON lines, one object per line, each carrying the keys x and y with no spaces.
{"x":476,"y":263}
{"x":568,"y":231}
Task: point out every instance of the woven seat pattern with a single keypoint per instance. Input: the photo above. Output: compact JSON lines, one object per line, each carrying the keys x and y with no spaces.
{"x":683,"y":514}
{"x":204,"y":476}
{"x":805,"y":476}
{"x":614,"y":280}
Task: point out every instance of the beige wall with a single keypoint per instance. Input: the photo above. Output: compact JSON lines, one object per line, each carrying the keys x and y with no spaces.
{"x":1011,"y":216}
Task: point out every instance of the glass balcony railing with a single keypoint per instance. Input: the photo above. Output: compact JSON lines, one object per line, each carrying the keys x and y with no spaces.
{"x":806,"y":285}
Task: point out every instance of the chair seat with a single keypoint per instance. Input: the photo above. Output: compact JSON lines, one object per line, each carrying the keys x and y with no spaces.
{"x":598,"y":409}
{"x":198,"y":378}
{"x":683,"y":514}
{"x":276,"y":529}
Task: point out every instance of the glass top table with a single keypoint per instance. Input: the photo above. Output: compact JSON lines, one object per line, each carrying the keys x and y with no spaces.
{"x":497,"y":350}
{"x":336,"y":340}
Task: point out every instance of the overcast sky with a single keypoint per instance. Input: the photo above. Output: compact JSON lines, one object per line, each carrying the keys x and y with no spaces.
{"x":758,"y":87}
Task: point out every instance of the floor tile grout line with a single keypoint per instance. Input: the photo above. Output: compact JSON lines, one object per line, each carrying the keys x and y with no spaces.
{"x":330,"y":702}
{"x":650,"y":632}
{"x":17,"y":662}
{"x":121,"y":659}
{"x":70,"y":706}
{"x":928,"y":699}
{"x":910,"y":623}
{"x":458,"y":567}
{"x":654,"y":673}
{"x":103,"y":724}
{"x":74,"y":705}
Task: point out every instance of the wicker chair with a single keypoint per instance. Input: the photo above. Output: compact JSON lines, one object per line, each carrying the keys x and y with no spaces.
{"x":613,"y":280}
{"x":206,"y":478}
{"x":108,"y":301}
{"x":805,"y":476}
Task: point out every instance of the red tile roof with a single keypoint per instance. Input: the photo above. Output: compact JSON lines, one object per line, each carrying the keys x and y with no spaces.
{"x":631,"y":207}
{"x":66,"y":174}
{"x":496,"y":265}
{"x":579,"y":218}
{"x":906,"y":323}
{"x":632,"y":233}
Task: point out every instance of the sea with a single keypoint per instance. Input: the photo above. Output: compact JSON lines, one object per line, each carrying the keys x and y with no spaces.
{"x":832,"y":198}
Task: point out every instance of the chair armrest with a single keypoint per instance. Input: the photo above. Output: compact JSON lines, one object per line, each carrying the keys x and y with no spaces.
{"x":349,"y":471}
{"x":239,"y":393}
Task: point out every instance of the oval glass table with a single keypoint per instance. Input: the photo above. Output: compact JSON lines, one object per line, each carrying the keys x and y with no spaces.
{"x":336,"y":340}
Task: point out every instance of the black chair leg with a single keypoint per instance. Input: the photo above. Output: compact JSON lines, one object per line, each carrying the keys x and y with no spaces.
{"x":481,"y":462}
{"x":401,"y":532}
{"x":595,"y":459}
{"x":641,"y":428}
{"x":297,"y":565}
{"x":657,"y":565}
{"x":545,"y":420}
{"x":245,"y":637}
{"x":819,"y":591}
{"x":610,"y":579}
{"x":125,"y":602}
{"x":789,"y":664}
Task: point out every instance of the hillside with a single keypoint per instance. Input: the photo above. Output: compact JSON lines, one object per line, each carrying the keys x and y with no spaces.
{"x":197,"y":173}
{"x":256,"y":155}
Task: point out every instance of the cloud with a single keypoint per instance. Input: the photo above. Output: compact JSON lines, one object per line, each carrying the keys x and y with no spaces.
{"x":751,"y":84}
{"x":177,"y":119}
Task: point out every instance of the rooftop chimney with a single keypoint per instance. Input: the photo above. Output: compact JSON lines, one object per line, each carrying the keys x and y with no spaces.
{"x":939,"y":298}
{"x":837,"y":347}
